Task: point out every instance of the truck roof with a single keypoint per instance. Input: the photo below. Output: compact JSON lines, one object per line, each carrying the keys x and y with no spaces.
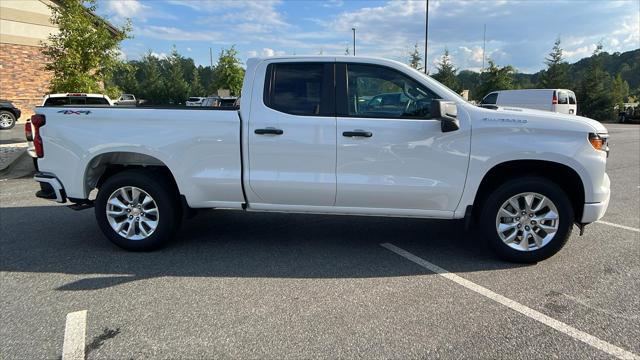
{"x":322,"y":57}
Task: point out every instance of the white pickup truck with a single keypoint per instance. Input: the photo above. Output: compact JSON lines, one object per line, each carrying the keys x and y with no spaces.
{"x":331,"y":135}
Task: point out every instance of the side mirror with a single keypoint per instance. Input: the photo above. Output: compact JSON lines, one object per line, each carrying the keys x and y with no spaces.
{"x":446,"y":112}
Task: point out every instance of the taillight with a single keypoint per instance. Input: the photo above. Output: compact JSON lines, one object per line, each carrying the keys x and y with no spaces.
{"x":38,"y":121}
{"x":27,"y":131}
{"x":554,"y":100}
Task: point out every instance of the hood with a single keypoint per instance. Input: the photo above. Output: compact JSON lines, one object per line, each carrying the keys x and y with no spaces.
{"x":578,"y":122}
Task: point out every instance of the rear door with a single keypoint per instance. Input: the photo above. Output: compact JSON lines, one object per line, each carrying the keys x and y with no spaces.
{"x":292,"y":135}
{"x":563,"y":105}
{"x":395,"y":157}
{"x":573,"y":104}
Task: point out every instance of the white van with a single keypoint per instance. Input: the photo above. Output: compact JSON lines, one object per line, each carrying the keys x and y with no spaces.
{"x":555,"y":100}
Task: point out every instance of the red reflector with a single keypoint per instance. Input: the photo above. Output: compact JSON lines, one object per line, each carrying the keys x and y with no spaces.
{"x":38,"y":121}
{"x":27,"y":131}
{"x":555,"y":98}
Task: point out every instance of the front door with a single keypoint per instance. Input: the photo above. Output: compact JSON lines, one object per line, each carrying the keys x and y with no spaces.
{"x":391,"y":153}
{"x":292,"y":136}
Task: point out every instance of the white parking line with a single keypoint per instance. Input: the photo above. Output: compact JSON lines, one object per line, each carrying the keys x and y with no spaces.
{"x":74,"y":333}
{"x":533,"y":314}
{"x":619,"y":226}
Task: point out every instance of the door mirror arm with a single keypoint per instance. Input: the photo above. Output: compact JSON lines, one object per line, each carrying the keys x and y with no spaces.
{"x":446,"y":112}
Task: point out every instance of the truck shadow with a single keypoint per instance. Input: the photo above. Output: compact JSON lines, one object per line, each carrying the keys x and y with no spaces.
{"x":50,"y":239}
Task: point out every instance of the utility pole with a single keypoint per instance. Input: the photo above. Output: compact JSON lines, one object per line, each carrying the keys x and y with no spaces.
{"x":484,"y":44}
{"x":354,"y":41}
{"x":211,"y":57}
{"x":426,"y":36}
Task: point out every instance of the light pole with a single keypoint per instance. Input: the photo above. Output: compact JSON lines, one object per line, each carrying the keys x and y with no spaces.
{"x":426,"y":36}
{"x":354,"y":41}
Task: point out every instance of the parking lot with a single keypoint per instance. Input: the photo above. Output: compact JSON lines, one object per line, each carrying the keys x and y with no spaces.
{"x":261,"y":285}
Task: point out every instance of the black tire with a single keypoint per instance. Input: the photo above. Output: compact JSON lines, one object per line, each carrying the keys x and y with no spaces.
{"x":160,"y":189}
{"x":4,"y":113}
{"x":515,"y":186}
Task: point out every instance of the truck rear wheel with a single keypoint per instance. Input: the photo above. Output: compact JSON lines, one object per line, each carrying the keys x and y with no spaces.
{"x":137,"y":210}
{"x":527,"y":219}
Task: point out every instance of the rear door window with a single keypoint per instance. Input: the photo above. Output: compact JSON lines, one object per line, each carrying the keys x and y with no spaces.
{"x":563,"y":98}
{"x":572,"y":98}
{"x":490,"y":99}
{"x":300,"y":89}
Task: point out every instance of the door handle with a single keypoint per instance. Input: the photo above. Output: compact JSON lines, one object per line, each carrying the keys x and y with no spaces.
{"x":269,"y":131}
{"x":357,"y":133}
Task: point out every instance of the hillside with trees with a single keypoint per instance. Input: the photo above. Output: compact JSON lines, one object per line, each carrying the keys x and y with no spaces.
{"x":601,"y":81}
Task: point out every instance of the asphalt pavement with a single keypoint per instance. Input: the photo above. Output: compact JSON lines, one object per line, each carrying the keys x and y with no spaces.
{"x":274,"y":286}
{"x":13,"y":136}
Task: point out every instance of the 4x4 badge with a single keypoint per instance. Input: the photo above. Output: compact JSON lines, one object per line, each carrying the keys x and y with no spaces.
{"x":74,"y":112}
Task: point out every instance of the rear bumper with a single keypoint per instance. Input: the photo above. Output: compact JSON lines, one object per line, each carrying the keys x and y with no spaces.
{"x":50,"y":188}
{"x":593,"y":212}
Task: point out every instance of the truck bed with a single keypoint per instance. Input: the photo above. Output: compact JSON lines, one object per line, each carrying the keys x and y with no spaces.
{"x":200,"y":145}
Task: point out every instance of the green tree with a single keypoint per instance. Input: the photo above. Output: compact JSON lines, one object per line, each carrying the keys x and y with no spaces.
{"x":594,"y":95}
{"x":415,"y":59}
{"x":556,"y":74}
{"x":447,"y":72}
{"x":152,"y":86}
{"x":495,"y":78}
{"x":196,"y":88}
{"x":85,"y":52}
{"x":619,"y":91}
{"x":176,"y":86}
{"x":228,"y":72}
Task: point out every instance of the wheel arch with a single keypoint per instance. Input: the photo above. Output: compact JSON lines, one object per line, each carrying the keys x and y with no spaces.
{"x":107,"y":164}
{"x":567,"y":178}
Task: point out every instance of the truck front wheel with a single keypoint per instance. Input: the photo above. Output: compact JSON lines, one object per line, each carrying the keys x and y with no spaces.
{"x":527,"y":219}
{"x":137,"y":210}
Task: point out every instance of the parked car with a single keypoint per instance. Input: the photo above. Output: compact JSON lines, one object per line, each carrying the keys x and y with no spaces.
{"x":194,"y":101}
{"x":228,"y":101}
{"x":629,"y":113}
{"x":301,"y":142}
{"x":9,"y":114}
{"x":211,"y":101}
{"x":555,"y":100}
{"x":76,"y":99}
{"x":129,"y":100}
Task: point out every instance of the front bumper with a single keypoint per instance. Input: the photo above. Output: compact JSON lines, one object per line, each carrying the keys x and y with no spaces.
{"x":593,"y":212}
{"x":50,"y":188}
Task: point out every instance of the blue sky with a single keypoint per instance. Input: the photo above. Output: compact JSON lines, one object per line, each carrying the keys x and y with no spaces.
{"x":520,"y":33}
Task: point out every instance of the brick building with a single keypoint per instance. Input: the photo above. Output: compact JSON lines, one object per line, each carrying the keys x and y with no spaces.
{"x":24,"y":24}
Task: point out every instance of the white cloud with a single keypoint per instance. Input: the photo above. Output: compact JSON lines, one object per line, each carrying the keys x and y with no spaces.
{"x":189,"y":49}
{"x":580,"y":52}
{"x":267,"y":52}
{"x":176,"y":34}
{"x":126,"y":8}
{"x":260,"y":13}
{"x":160,"y":55}
{"x":520,"y":33}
